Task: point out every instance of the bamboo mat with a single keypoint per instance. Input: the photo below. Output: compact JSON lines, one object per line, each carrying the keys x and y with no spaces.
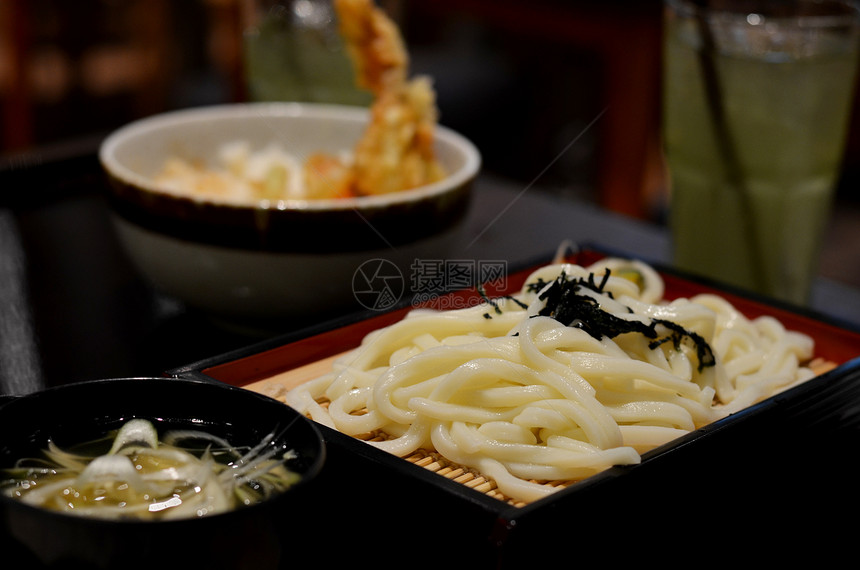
{"x":276,"y":386}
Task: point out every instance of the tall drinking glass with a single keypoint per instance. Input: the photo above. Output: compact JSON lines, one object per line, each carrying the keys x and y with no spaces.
{"x":757,"y":97}
{"x":293,"y":51}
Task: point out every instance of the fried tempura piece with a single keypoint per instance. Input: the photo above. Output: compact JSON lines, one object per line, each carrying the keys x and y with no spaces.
{"x":181,"y":175}
{"x":396,"y":150}
{"x":374,"y":44}
{"x":327,"y":176}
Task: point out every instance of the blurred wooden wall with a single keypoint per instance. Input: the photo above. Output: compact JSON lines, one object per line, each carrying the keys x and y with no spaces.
{"x":591,"y":69}
{"x":84,"y":67}
{"x":72,"y":68}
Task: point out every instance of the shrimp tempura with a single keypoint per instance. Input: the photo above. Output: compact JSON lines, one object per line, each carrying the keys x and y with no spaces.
{"x":374,"y":44}
{"x":396,"y":150}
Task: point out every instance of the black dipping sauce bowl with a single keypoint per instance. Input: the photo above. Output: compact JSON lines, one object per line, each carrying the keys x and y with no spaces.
{"x":256,"y":536}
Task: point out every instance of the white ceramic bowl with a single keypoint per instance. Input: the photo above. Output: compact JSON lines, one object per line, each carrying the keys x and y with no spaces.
{"x":277,"y":260}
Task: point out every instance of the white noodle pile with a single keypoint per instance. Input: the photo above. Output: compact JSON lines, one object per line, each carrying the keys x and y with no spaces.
{"x":524,"y":399}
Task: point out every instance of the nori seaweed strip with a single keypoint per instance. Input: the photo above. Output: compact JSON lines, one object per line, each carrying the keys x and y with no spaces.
{"x":493,"y":302}
{"x":536,"y":286}
{"x":679,"y":334}
{"x":568,"y":306}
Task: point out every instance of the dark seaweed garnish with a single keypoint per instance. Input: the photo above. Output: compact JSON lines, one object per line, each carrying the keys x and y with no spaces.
{"x":566,"y":304}
{"x":678,"y":334}
{"x":494,"y":302}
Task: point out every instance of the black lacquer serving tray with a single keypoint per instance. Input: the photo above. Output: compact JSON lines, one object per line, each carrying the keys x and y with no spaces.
{"x":781,"y":468}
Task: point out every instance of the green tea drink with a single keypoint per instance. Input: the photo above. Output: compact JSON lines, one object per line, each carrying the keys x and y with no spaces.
{"x":296,"y":53}
{"x":784,"y":109}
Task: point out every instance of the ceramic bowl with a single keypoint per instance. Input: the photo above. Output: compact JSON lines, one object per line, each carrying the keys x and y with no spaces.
{"x":246,"y":537}
{"x":282,"y":259}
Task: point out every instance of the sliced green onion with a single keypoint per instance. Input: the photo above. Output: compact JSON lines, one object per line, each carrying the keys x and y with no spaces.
{"x":142,"y":477}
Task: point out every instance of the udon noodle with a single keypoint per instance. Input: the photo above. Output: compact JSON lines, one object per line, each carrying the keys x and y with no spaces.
{"x":583,"y":369}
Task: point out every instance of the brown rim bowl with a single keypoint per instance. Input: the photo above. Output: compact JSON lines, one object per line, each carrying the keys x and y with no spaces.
{"x":264,"y":261}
